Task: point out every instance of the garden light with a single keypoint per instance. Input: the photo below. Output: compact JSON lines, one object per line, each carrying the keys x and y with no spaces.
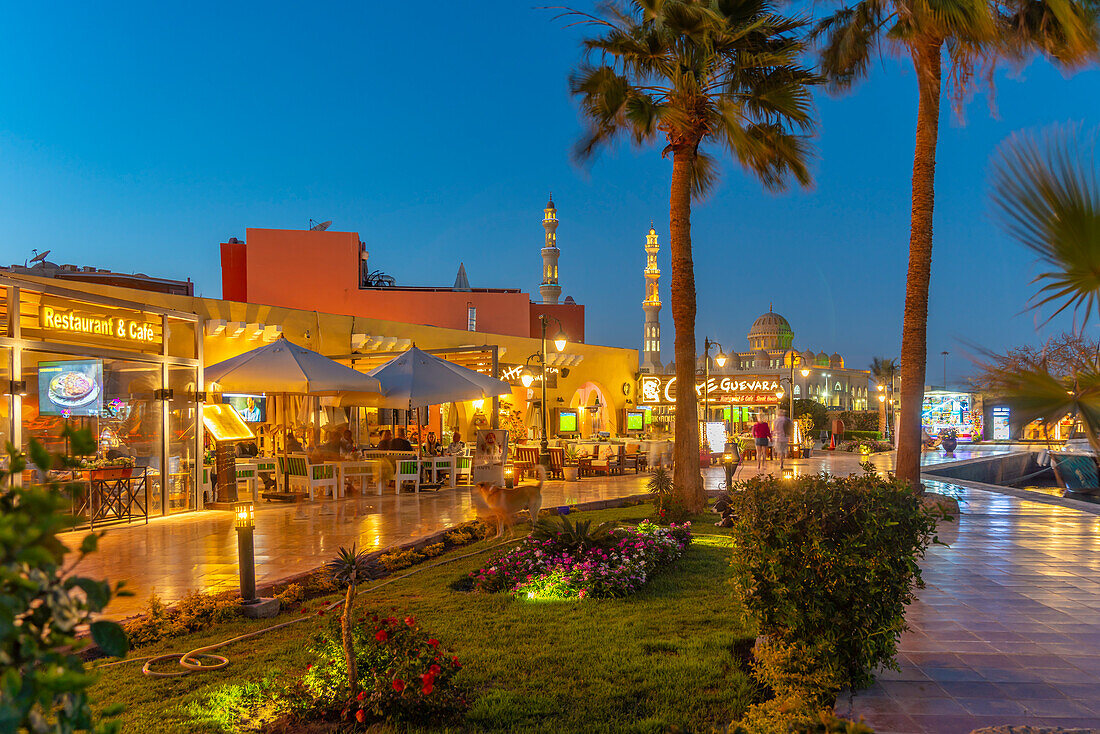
{"x":245,"y":522}
{"x":509,"y":477}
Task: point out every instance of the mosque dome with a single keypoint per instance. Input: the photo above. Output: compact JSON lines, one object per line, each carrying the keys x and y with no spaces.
{"x":770,"y":331}
{"x":836,"y":361}
{"x":823,"y":359}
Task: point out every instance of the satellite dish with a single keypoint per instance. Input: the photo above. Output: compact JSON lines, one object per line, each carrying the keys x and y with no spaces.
{"x":319,"y":226}
{"x":41,"y":256}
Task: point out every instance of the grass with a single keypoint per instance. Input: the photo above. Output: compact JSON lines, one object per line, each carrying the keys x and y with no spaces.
{"x":660,"y":659}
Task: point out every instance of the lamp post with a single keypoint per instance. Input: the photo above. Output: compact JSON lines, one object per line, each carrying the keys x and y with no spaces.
{"x":720,"y":358}
{"x":527,"y":378}
{"x":245,"y":523}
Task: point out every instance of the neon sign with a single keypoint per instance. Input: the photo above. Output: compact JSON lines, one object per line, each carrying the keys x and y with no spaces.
{"x":96,"y":325}
{"x":752,"y":390}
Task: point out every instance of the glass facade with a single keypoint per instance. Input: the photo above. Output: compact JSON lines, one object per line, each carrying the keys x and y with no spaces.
{"x":125,"y":372}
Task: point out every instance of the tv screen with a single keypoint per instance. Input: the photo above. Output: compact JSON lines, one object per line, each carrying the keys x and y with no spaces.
{"x":70,"y":388}
{"x":635,"y":420}
{"x":251,"y":408}
{"x":567,"y":421}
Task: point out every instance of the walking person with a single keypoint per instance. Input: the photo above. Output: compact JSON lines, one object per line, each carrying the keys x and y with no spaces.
{"x":761,"y":433}
{"x":781,"y":432}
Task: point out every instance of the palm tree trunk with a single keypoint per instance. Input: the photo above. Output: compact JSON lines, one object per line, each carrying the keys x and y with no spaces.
{"x":881,"y":418}
{"x":914,"y":332}
{"x":349,"y":643}
{"x":685,"y":452}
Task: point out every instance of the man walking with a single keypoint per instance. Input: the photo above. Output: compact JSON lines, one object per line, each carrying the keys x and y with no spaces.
{"x":781,"y":433}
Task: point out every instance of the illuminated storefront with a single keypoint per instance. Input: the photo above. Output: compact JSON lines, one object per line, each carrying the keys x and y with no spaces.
{"x":960,"y":411}
{"x":123,"y":370}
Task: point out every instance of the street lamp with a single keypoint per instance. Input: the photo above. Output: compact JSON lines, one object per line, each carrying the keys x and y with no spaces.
{"x":720,"y":358}
{"x":527,"y":378}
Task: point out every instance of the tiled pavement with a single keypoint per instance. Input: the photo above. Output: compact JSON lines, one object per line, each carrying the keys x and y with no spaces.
{"x":1007,"y":630}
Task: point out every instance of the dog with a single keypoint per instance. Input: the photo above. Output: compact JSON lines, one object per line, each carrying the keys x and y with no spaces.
{"x":503,"y":504}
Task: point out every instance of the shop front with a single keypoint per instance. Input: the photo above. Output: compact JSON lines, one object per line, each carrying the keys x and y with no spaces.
{"x":958,"y":411}
{"x":125,"y":371}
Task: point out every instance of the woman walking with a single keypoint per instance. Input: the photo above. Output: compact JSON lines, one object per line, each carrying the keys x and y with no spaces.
{"x":761,"y":433}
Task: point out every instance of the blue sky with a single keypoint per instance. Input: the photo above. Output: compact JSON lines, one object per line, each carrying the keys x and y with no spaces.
{"x":139,"y":136}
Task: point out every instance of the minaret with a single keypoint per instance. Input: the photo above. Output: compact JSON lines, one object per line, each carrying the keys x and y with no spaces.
{"x":550,"y":289}
{"x":651,"y":340}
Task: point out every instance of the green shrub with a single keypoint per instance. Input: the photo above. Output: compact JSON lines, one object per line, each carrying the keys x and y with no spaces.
{"x":854,"y":435}
{"x":400,"y":559}
{"x":433,"y":550}
{"x":291,"y":596}
{"x":195,"y":611}
{"x":797,"y":670}
{"x":794,"y":716}
{"x":403,"y":674}
{"x":829,"y":563}
{"x":43,"y":682}
{"x":802,"y":406}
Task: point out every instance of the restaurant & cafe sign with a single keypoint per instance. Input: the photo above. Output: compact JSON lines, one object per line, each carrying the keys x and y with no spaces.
{"x":117,"y":325}
{"x":746,"y":390}
{"x":513,"y":374}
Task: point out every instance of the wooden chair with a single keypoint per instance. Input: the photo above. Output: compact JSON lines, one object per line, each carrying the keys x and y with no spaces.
{"x":631,"y":459}
{"x":526,"y":458}
{"x":557,"y":462}
{"x":308,"y":478}
{"x":463,"y":462}
{"x":611,"y":464}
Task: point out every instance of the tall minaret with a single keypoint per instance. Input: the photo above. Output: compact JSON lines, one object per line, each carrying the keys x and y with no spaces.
{"x":651,"y":339}
{"x":550,"y":289}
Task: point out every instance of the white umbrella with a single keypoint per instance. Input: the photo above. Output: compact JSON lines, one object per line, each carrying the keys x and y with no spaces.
{"x":415,"y":379}
{"x":284,"y":367}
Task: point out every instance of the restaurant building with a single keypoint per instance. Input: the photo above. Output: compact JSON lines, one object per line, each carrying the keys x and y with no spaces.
{"x":748,"y":382}
{"x":130,"y":365}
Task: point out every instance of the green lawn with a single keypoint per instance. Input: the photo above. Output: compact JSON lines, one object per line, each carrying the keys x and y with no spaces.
{"x":662,"y":658}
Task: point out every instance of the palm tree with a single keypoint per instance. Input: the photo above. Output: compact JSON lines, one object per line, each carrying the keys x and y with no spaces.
{"x":884,"y":371}
{"x":1046,"y":194}
{"x":974,"y":34}
{"x":694,"y":74}
{"x":348,"y":568}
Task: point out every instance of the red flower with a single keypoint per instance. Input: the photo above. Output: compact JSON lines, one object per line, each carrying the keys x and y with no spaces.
{"x":427,"y":683}
{"x":455,"y":661}
{"x":320,"y":612}
{"x":433,"y":642}
{"x":411,"y":621}
{"x":434,"y":670}
{"x":380,"y":635}
{"x":360,"y":716}
{"x":305,"y":611}
{"x":309,"y":667}
{"x":399,"y":685}
{"x":362,"y":695}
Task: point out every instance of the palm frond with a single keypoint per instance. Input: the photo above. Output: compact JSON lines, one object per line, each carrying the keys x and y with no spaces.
{"x":1046,"y":195}
{"x":1034,"y":394}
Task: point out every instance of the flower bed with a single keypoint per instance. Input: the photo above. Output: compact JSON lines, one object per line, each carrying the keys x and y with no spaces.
{"x":619,"y":565}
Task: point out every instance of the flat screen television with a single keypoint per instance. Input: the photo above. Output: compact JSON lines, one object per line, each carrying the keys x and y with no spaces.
{"x":251,"y":408}
{"x":635,"y":420}
{"x":567,"y":421}
{"x":70,"y":388}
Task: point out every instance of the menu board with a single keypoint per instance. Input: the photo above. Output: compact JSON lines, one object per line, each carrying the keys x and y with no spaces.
{"x":490,"y":455}
{"x":71,"y":388}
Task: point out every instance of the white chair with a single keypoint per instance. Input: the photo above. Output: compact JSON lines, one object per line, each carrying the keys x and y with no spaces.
{"x":408,"y":470}
{"x":308,"y":478}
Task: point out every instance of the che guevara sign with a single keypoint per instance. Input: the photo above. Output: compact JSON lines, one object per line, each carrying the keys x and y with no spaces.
{"x":740,"y":390}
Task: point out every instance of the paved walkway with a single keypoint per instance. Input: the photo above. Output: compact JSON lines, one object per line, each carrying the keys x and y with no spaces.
{"x":1007,"y":630}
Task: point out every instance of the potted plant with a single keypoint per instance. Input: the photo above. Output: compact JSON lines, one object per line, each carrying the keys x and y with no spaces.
{"x":570,"y":467}
{"x":949,"y":440}
{"x":806,"y":426}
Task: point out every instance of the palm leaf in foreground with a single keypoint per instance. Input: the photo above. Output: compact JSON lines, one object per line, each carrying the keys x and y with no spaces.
{"x":1034,"y":394}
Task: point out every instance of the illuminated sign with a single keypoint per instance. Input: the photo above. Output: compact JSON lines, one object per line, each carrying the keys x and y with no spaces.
{"x":512,"y":374}
{"x":749,"y":390}
{"x":103,"y":325}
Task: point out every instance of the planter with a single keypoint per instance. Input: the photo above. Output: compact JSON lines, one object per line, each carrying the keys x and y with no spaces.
{"x":570,"y":473}
{"x":806,"y":453}
{"x":112,"y":472}
{"x":949,"y":445}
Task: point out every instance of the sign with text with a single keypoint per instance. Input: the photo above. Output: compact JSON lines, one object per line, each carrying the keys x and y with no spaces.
{"x":59,"y":319}
{"x":513,"y":374}
{"x":738,"y":390}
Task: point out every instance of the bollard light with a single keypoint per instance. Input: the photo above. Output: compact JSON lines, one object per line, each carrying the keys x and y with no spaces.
{"x":727,"y":458}
{"x":509,"y":477}
{"x":788,"y":474}
{"x":245,"y":522}
{"x":727,"y":465}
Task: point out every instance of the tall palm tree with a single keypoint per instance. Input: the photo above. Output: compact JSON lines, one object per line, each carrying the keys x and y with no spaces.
{"x":884,"y":371}
{"x":696,"y":74}
{"x":973,"y":35}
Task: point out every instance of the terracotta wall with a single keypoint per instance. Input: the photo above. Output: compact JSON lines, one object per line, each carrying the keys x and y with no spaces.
{"x":319,"y":271}
{"x":571,"y":316}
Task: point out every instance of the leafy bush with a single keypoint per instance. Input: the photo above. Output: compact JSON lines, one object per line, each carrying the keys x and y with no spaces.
{"x":401,"y":559}
{"x":816,"y":410}
{"x":859,"y":420}
{"x":579,"y":536}
{"x":549,"y":569}
{"x":403,"y":674}
{"x":43,"y":682}
{"x":829,"y":563}
{"x":874,"y":446}
{"x":195,"y":611}
{"x":855,"y":435}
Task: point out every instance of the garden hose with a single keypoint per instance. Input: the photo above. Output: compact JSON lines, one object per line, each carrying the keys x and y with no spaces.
{"x":192,"y":660}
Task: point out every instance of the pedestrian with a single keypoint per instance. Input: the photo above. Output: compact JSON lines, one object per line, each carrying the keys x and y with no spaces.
{"x":761,"y":433}
{"x":781,"y":432}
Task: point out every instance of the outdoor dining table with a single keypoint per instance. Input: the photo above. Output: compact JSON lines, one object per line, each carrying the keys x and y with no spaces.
{"x":361,"y":469}
{"x":435,"y":465}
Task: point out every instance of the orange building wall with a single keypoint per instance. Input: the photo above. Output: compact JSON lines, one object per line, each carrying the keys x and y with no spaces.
{"x":571,"y":316}
{"x":319,"y":271}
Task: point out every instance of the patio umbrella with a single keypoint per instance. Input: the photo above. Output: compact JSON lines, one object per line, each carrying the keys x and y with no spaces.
{"x":286,"y":368}
{"x":415,"y":379}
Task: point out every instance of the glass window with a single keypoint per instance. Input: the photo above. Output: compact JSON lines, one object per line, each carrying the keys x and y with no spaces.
{"x":182,"y":426}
